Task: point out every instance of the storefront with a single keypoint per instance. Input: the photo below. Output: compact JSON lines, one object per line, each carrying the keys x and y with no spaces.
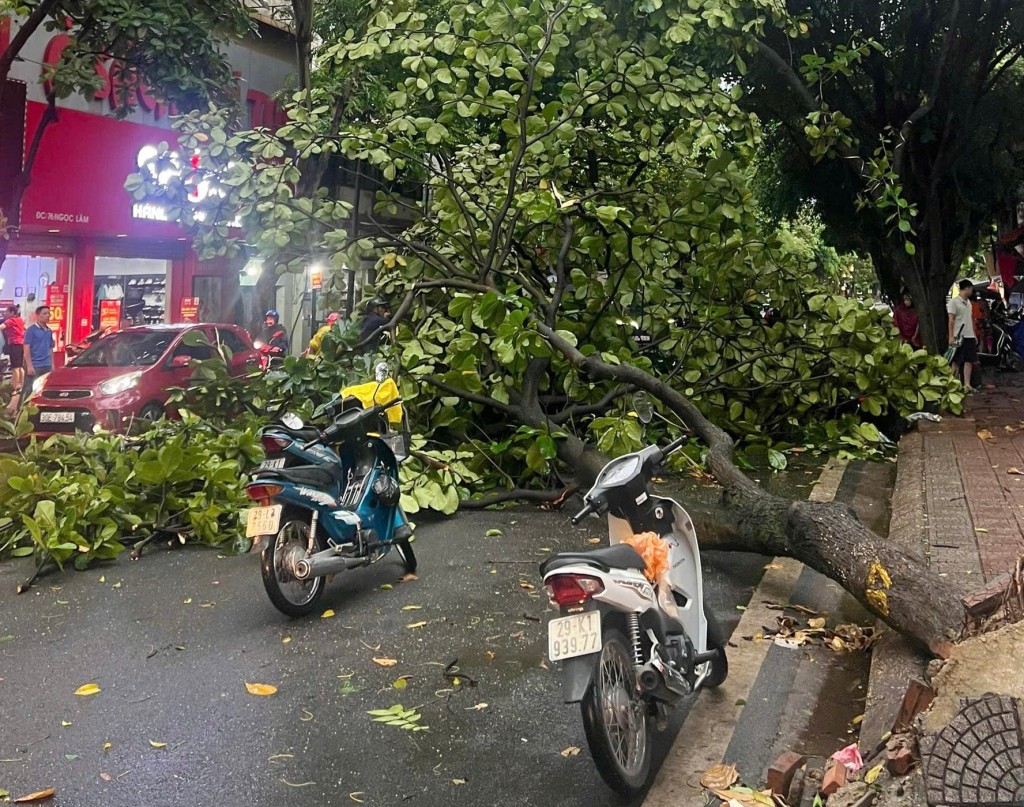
{"x":83,"y":245}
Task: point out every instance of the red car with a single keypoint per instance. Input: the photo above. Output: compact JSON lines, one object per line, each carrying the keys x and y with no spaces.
{"x":126,"y":375}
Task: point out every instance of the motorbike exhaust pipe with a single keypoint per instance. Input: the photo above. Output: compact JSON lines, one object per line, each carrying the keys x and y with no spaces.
{"x":649,"y":680}
{"x":666,"y":683}
{"x":324,"y":563}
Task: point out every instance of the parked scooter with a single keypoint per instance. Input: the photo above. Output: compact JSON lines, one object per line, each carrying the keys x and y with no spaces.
{"x":996,"y":348}
{"x":630,"y":649}
{"x":320,"y":519}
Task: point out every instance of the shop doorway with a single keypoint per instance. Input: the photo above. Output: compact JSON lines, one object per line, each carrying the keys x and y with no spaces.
{"x":138,"y":284}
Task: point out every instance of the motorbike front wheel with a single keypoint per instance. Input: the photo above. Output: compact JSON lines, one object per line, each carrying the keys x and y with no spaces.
{"x":407,"y":555}
{"x":290,"y":595}
{"x":615,"y":718}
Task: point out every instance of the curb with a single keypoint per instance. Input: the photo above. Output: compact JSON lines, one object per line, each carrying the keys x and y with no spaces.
{"x":894,"y":660}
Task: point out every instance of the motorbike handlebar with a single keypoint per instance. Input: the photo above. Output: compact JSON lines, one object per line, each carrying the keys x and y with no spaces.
{"x":332,"y":431}
{"x":588,"y":508}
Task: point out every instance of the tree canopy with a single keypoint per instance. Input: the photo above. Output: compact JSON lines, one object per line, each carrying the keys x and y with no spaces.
{"x":901,"y":117}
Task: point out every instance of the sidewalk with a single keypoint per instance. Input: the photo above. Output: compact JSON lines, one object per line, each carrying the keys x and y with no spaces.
{"x":959,"y":500}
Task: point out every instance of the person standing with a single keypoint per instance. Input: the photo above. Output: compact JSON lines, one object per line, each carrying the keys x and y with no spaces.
{"x":13,"y":327}
{"x":38,"y":347}
{"x":961,"y":332}
{"x":317,"y":341}
{"x":905,"y":318}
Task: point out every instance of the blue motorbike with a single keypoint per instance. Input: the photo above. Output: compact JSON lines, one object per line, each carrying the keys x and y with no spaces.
{"x":317,"y":520}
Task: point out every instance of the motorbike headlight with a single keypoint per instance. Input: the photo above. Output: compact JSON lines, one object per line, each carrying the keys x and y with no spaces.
{"x":121,"y":383}
{"x":39,"y":383}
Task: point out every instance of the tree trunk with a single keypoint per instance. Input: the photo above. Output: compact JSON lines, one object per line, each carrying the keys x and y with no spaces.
{"x":891,"y":583}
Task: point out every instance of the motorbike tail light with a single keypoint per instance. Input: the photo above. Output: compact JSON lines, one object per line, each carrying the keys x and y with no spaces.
{"x":572,"y":589}
{"x":262,"y":493}
{"x":272,"y":445}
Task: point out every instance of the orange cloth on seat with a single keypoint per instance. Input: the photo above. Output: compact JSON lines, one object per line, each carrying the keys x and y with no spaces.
{"x":654,"y":551}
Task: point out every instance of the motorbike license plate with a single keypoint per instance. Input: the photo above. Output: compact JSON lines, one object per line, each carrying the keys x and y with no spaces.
{"x":270,"y":465}
{"x":263,"y":521}
{"x":56,"y":417}
{"x":576,"y":635}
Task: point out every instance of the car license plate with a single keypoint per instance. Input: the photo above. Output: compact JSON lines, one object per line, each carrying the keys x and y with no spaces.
{"x":270,"y":465}
{"x":56,"y":417}
{"x":263,"y":521}
{"x":577,"y":635}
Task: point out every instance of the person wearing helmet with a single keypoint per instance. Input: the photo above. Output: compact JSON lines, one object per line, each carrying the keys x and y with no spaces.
{"x":334,"y":320}
{"x":273,"y":340}
{"x":378,"y":313}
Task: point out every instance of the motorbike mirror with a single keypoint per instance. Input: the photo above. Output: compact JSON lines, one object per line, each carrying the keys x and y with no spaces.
{"x":381,"y":372}
{"x":291,"y":420}
{"x":642,"y":407}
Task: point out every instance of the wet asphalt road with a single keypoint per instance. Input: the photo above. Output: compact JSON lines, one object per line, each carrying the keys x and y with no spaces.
{"x":173,"y":639}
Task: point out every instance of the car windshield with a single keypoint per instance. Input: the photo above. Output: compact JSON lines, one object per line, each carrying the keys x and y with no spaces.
{"x":125,"y":350}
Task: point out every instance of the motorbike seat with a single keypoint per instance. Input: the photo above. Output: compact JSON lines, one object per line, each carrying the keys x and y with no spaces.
{"x":317,"y":476}
{"x":617,"y":556}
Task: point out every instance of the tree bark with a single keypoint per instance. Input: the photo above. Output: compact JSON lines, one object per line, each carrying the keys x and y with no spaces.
{"x":890,"y":582}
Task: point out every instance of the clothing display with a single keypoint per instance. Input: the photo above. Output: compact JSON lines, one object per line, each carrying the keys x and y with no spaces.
{"x":143,"y":296}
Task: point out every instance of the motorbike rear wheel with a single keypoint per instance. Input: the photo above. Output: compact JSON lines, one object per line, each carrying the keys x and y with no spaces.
{"x":615,"y":718}
{"x":290,"y":595}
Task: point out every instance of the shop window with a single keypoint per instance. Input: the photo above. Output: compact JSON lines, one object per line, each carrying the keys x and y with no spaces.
{"x":140,"y":285}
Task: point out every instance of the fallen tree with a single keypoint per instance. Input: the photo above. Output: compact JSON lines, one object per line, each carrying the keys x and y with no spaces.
{"x":584,"y":183}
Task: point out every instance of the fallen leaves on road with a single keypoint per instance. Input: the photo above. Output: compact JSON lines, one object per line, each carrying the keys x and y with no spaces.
{"x":719,"y":777}
{"x":1015,"y":471}
{"x":593,"y":540}
{"x":411,"y":607}
{"x":297,"y":784}
{"x":260,"y":689}
{"x":305,"y":719}
{"x":327,"y":614}
{"x":746,"y":797}
{"x":401,"y":682}
{"x":458,"y":781}
{"x":155,"y":744}
{"x":408,"y":578}
{"x":355,"y":796}
{"x":416,"y":624}
{"x":39,"y":795}
{"x":386,"y":662}
{"x":872,"y":776}
{"x":492,"y":533}
{"x":106,"y":777}
{"x":65,"y":723}
{"x":286,"y":640}
{"x":478,"y":708}
{"x":571,"y":751}
{"x":87,"y":689}
{"x":107,"y":746}
{"x":817,"y":623}
{"x":984,"y":434}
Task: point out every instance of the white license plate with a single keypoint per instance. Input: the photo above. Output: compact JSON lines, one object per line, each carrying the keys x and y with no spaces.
{"x":263,"y":521}
{"x":577,"y":635}
{"x":56,"y":417}
{"x":270,"y":465}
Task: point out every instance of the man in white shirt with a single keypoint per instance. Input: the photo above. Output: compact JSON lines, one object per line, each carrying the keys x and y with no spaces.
{"x":961,"y":332}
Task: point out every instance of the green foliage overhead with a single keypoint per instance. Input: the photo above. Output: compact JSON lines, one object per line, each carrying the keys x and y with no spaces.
{"x":584,"y":167}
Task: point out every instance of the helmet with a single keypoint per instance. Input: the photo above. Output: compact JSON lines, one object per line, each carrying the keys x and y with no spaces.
{"x":374,"y":304}
{"x":333,"y":317}
{"x":272,"y":314}
{"x":387,"y":490}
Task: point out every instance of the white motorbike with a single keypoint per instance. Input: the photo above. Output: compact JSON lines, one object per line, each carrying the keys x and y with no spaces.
{"x":631,"y":650}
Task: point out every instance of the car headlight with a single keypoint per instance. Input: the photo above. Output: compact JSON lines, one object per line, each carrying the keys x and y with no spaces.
{"x":121,"y":383}
{"x":37,"y":385}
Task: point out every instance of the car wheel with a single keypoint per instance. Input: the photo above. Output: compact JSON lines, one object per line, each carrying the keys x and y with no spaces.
{"x":151,"y":412}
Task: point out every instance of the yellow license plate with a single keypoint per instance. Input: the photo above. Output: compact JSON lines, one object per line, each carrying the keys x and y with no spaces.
{"x":576,"y":635}
{"x":263,"y":521}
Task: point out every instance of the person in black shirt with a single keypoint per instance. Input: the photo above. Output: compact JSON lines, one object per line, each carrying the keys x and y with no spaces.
{"x":378,"y":315}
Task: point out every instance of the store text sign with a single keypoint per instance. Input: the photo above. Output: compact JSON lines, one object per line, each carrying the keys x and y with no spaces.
{"x":57,"y":302}
{"x":110,"y":314}
{"x":189,"y":309}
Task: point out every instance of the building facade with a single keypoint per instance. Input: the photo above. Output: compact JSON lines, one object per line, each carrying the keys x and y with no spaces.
{"x":83,"y":245}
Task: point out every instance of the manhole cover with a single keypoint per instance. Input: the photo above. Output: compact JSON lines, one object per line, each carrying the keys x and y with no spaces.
{"x":978,"y":759}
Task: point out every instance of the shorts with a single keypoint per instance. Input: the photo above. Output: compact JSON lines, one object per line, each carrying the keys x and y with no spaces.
{"x":17,"y":354}
{"x":967,"y":353}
